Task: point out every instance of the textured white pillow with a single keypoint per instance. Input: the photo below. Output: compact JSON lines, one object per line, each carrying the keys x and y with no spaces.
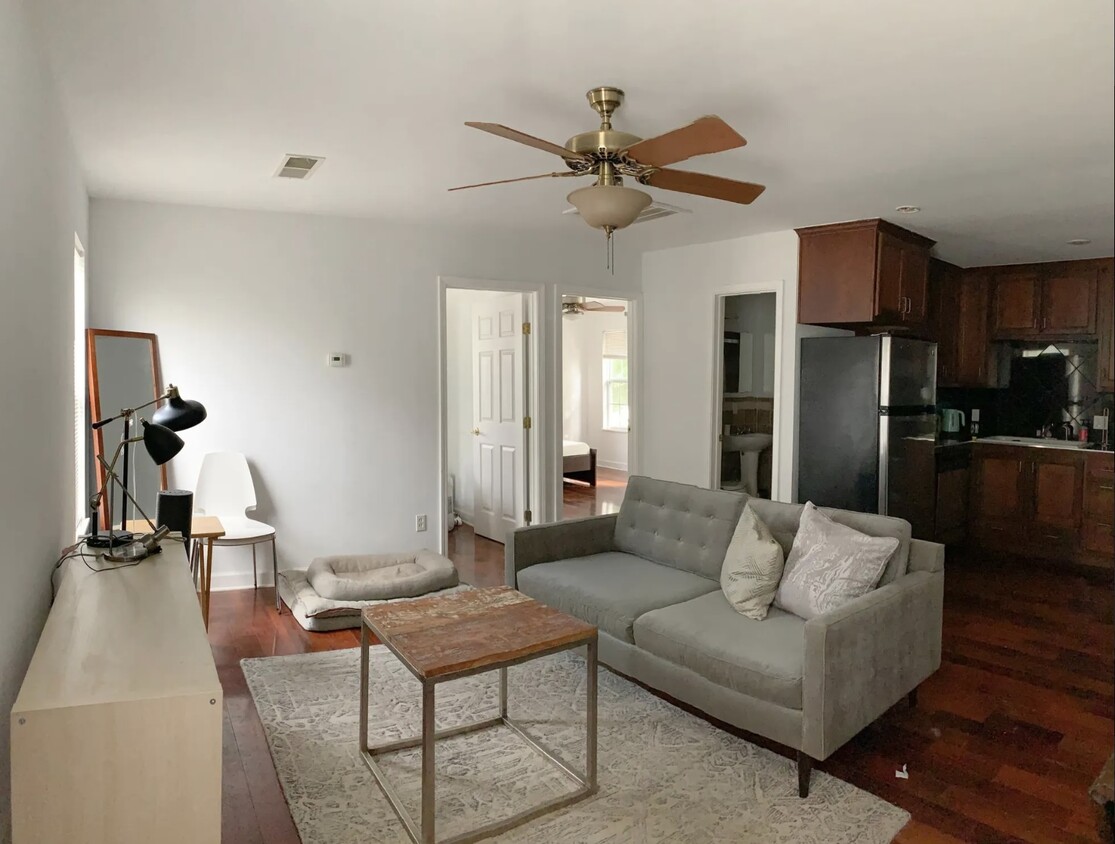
{"x":752,"y":567}
{"x":829,"y":565}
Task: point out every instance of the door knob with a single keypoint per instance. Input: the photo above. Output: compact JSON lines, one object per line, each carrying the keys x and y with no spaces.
{"x":475,"y":432}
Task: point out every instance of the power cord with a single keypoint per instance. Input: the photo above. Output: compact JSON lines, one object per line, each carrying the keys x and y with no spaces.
{"x":78,"y":549}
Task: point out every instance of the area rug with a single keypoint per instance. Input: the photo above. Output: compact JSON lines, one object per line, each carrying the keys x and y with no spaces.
{"x":665,"y":775}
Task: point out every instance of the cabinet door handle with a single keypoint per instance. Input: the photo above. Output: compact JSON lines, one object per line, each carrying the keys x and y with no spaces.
{"x":1106,"y":486}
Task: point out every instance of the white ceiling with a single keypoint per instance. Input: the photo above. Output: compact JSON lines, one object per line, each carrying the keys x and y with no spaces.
{"x":996,"y":116}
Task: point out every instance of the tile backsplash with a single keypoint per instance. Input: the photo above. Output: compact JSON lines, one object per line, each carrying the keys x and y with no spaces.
{"x":749,"y":415}
{"x":1050,"y":384}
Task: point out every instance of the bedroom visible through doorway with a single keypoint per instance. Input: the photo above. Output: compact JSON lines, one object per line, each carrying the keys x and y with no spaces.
{"x":596,"y":405}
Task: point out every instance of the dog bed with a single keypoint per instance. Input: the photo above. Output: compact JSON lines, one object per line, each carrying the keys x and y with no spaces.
{"x":330,"y":594}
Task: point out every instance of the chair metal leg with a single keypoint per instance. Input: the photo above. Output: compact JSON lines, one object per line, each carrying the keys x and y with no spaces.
{"x":255,"y":576}
{"x":275,"y":575}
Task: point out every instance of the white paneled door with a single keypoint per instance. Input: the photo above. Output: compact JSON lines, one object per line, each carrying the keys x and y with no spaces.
{"x":498,"y":412}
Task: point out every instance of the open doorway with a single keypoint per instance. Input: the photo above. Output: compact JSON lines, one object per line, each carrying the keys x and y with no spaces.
{"x":746,"y":374}
{"x":596,"y":406}
{"x":489,"y":390}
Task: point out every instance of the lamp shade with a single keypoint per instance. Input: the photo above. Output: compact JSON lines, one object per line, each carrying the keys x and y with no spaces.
{"x":178,"y":413}
{"x":161,"y":442}
{"x":609,"y":206}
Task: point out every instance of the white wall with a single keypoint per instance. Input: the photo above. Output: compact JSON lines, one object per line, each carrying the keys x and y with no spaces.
{"x":42,"y":206}
{"x":247,"y":305}
{"x":582,"y":384}
{"x":679,"y":399}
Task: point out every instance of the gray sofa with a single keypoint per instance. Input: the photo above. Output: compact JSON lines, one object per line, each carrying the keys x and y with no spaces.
{"x":649,"y":579}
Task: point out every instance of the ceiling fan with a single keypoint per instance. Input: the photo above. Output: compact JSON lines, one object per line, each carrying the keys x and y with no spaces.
{"x":577,"y":305}
{"x":610,"y":155}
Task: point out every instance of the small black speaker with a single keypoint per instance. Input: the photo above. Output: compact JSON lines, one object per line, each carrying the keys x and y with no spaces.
{"x":175,"y":510}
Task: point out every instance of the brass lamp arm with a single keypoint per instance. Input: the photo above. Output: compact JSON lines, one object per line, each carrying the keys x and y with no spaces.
{"x":169,"y":393}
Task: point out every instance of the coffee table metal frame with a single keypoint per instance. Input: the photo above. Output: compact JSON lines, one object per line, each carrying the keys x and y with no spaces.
{"x":425,"y":834}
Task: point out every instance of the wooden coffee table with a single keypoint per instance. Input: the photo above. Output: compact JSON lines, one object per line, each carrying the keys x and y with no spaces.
{"x":446,"y":638}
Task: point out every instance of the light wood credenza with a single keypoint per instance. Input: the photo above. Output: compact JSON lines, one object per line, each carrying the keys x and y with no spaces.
{"x":116,"y":733}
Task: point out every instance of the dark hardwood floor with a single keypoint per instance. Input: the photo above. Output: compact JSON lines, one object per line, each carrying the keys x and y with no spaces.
{"x":1002,"y":746}
{"x":584,"y":500}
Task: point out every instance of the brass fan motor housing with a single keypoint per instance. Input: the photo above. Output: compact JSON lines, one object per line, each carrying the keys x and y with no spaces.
{"x":609,"y":140}
{"x":605,"y":143}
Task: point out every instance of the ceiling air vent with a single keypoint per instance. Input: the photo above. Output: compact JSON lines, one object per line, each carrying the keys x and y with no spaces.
{"x":654,"y":211}
{"x":298,"y":166}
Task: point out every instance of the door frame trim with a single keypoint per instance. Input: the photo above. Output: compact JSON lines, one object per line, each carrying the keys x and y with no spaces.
{"x":634,"y":300}
{"x":539,"y":408}
{"x":778,"y":405}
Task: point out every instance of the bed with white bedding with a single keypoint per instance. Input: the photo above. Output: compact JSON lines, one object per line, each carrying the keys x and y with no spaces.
{"x":578,"y":462}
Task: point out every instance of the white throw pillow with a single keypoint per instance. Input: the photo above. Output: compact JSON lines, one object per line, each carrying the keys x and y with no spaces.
{"x":830,"y":564}
{"x":752,"y":567}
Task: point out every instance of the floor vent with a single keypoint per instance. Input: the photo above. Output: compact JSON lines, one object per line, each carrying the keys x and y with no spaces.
{"x":654,"y":211}
{"x":298,"y":166}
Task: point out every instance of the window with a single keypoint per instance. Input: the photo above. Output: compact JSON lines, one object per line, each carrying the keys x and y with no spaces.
{"x":617,"y":413}
{"x":81,"y":494}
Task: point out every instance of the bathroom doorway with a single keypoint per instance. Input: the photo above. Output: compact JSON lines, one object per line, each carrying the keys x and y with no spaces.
{"x":746,"y":378}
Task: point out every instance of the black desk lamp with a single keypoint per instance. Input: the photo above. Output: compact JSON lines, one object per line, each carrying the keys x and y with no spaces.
{"x":161,"y":442}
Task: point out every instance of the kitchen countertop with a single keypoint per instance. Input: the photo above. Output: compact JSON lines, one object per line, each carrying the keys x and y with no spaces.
{"x":1023,"y":442}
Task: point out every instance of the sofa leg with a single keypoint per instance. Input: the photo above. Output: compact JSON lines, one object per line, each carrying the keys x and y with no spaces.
{"x":912,"y":698}
{"x":805,"y":768}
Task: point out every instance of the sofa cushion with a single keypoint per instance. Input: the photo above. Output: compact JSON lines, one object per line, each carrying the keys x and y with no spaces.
{"x":678,"y":525}
{"x":752,"y":567}
{"x":783,"y":520}
{"x":830,"y":565}
{"x":762,"y":659}
{"x":610,"y":590}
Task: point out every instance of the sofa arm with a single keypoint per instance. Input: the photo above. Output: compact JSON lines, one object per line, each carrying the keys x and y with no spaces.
{"x":862,"y":658}
{"x":558,"y":541}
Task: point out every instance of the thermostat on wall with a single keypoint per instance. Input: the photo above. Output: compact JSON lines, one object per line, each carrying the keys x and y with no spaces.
{"x":337,"y":359}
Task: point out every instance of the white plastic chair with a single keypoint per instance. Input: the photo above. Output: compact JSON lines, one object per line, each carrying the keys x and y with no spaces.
{"x":225,"y":490}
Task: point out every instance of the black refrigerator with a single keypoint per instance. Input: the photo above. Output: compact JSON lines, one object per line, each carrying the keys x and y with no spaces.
{"x":865,"y":401}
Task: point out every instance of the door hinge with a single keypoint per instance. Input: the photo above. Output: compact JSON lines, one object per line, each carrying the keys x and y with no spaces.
{"x":526,"y":422}
{"x":526,"y":328}
{"x":527,"y":516}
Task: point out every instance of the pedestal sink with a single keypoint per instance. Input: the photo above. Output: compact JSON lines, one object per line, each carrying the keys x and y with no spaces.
{"x":749,"y":446}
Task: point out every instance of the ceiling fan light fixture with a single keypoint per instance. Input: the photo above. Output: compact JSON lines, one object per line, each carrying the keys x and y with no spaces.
{"x":609,"y":206}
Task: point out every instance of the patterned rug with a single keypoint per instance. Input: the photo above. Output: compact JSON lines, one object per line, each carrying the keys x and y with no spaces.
{"x":665,"y":775}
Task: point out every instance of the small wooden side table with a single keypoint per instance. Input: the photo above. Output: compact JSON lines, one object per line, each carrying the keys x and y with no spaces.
{"x":203,"y":530}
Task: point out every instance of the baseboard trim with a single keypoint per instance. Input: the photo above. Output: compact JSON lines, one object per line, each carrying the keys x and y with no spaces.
{"x":227,"y":581}
{"x":608,"y":464}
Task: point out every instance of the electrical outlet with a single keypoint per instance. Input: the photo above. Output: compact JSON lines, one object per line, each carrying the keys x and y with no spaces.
{"x":420,"y":523}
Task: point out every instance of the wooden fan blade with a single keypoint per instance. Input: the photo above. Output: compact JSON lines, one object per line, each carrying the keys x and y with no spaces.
{"x":523,"y":138}
{"x":701,"y":137}
{"x":702,"y":184}
{"x":520,"y":179}
{"x":598,"y":307}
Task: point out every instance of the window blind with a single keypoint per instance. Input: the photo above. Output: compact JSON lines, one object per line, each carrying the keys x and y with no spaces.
{"x":615,"y":343}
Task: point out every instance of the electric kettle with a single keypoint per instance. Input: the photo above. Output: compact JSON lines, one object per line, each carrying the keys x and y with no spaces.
{"x":952,"y":421}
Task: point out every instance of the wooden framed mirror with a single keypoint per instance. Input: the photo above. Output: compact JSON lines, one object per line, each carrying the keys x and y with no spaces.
{"x":123,"y":372}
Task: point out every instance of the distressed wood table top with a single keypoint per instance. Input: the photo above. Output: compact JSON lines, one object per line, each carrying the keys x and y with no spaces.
{"x":474,"y":630}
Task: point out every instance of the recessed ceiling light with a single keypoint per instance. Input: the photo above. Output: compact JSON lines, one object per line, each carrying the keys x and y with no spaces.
{"x":1079,"y":241}
{"x":907,"y":209}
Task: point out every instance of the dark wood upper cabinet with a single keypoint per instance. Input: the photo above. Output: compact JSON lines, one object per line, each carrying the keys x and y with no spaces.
{"x":1068,"y":299}
{"x":1014,"y":310}
{"x":1045,"y":300}
{"x":959,"y":301}
{"x":865,"y":273}
{"x":1105,"y":328}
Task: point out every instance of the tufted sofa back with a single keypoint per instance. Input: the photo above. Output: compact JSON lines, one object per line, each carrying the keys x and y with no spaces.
{"x":678,"y":525}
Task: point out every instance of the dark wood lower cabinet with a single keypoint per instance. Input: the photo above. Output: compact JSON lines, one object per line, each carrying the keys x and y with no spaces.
{"x":1043,"y":502}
